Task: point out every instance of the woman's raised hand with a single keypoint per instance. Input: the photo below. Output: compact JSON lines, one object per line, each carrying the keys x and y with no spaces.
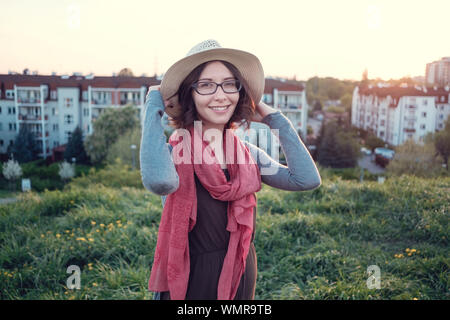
{"x":155,"y":88}
{"x":261,"y":111}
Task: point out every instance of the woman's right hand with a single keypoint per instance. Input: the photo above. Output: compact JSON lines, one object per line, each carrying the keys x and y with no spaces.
{"x":155,"y":88}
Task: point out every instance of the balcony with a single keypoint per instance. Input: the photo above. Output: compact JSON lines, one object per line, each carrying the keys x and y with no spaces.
{"x":101,"y":102}
{"x":38,"y":134}
{"x":28,"y":100}
{"x":410,"y":130}
{"x":135,"y":102}
{"x":31,"y":117}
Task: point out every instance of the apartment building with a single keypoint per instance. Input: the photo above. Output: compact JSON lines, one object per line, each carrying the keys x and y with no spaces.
{"x":53,"y":106}
{"x":438,"y":72}
{"x":396,"y":114}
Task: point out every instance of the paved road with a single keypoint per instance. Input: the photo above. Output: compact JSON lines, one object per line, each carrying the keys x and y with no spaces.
{"x":366,"y":163}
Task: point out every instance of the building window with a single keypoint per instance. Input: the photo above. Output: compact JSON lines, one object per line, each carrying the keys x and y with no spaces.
{"x":86,"y":112}
{"x":1,"y":126}
{"x":382,"y":123}
{"x":422,"y":126}
{"x":425,"y":102}
{"x":442,"y":98}
{"x":55,"y":127}
{"x":12,"y":110}
{"x":424,"y":114}
{"x":441,"y":116}
{"x":55,"y":144}
{"x":53,"y":94}
{"x":68,"y":119}
{"x":441,"y":125}
{"x":381,"y":133}
{"x":68,"y":135}
{"x":12,"y":127}
{"x":68,"y":102}
{"x":0,"y":110}
{"x":1,"y":143}
{"x":442,"y":107}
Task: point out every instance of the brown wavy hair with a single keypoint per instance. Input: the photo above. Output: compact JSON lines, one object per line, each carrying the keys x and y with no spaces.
{"x":245,"y":107}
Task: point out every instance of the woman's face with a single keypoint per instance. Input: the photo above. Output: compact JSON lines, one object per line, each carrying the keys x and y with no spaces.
{"x":210,"y":107}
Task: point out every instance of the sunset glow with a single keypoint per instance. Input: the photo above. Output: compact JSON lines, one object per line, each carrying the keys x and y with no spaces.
{"x":340,"y":39}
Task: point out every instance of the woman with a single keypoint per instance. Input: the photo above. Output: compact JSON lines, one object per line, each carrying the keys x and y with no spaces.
{"x":205,"y":244}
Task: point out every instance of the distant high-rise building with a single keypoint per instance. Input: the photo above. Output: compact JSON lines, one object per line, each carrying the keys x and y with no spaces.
{"x":438,"y":72}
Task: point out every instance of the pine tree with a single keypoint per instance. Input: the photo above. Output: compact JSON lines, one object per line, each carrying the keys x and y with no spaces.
{"x":75,"y":147}
{"x":25,"y":147}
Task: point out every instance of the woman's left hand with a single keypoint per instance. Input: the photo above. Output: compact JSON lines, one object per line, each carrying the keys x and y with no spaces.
{"x":261,"y":111}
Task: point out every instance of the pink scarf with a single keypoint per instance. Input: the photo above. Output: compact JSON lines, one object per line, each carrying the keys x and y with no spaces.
{"x":171,"y":266}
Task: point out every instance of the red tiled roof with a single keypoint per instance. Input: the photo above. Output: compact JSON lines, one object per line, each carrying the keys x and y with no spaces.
{"x":7,"y":82}
{"x":271,"y":84}
{"x":398,"y":92}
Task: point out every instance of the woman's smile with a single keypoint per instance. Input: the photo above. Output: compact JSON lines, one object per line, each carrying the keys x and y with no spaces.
{"x":220,"y":109}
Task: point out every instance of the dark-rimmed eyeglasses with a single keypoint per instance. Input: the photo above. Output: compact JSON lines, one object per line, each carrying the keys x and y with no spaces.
{"x":210,"y":87}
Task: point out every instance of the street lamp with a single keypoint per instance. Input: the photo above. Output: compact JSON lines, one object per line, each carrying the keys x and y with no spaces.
{"x":133,"y":147}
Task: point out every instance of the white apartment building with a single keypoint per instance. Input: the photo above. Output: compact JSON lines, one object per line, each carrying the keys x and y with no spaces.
{"x":53,"y":106}
{"x":396,"y":114}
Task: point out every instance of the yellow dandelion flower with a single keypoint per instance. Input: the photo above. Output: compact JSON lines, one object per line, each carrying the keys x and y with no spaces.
{"x":66,"y":292}
{"x":97,"y":230}
{"x":118,"y":221}
{"x":95,"y":284}
{"x":81,"y":239}
{"x":72,"y":202}
{"x":407,"y":249}
{"x":119,"y":225}
{"x":102,"y":225}
{"x":91,"y":239}
{"x":415,"y":299}
{"x":42,"y":235}
{"x":93,"y":223}
{"x":67,"y":231}
{"x":409,"y":254}
{"x":58,"y":235}
{"x":72,"y":297}
{"x":413,"y":250}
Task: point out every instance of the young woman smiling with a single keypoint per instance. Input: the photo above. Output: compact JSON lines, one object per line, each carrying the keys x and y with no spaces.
{"x":205,"y":244}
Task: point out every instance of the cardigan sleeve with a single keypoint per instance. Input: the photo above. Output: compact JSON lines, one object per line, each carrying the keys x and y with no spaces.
{"x":157,"y":168}
{"x":300,"y":173}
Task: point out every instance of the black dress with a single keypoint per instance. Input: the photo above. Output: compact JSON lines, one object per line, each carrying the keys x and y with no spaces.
{"x":208,"y":245}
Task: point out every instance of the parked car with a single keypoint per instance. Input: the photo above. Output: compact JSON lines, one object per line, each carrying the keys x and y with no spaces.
{"x":383,"y":156}
{"x":366,"y":151}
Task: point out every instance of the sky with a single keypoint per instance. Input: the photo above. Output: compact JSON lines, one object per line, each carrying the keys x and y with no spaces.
{"x":292,"y":38}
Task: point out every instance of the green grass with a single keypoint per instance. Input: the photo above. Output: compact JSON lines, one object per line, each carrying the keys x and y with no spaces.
{"x":310,"y":245}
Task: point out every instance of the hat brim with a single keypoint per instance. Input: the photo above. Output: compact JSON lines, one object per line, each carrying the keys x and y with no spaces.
{"x":248,"y":64}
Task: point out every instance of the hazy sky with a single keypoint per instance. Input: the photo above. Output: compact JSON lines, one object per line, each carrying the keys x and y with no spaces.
{"x":392,"y":38}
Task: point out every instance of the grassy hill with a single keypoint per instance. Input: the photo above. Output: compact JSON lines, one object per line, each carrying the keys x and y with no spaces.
{"x":310,"y":245}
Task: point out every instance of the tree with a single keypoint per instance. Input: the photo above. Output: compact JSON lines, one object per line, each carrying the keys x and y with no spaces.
{"x":125,"y":72}
{"x":112,"y":124}
{"x":25,"y":147}
{"x":415,"y":159}
{"x":122,"y":148}
{"x":372,"y":141}
{"x":12,"y":171}
{"x":75,"y":148}
{"x":442,"y":142}
{"x":336,"y":147}
{"x":66,"y":171}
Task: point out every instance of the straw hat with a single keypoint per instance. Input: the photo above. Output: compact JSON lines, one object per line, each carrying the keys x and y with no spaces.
{"x":248,"y":64}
